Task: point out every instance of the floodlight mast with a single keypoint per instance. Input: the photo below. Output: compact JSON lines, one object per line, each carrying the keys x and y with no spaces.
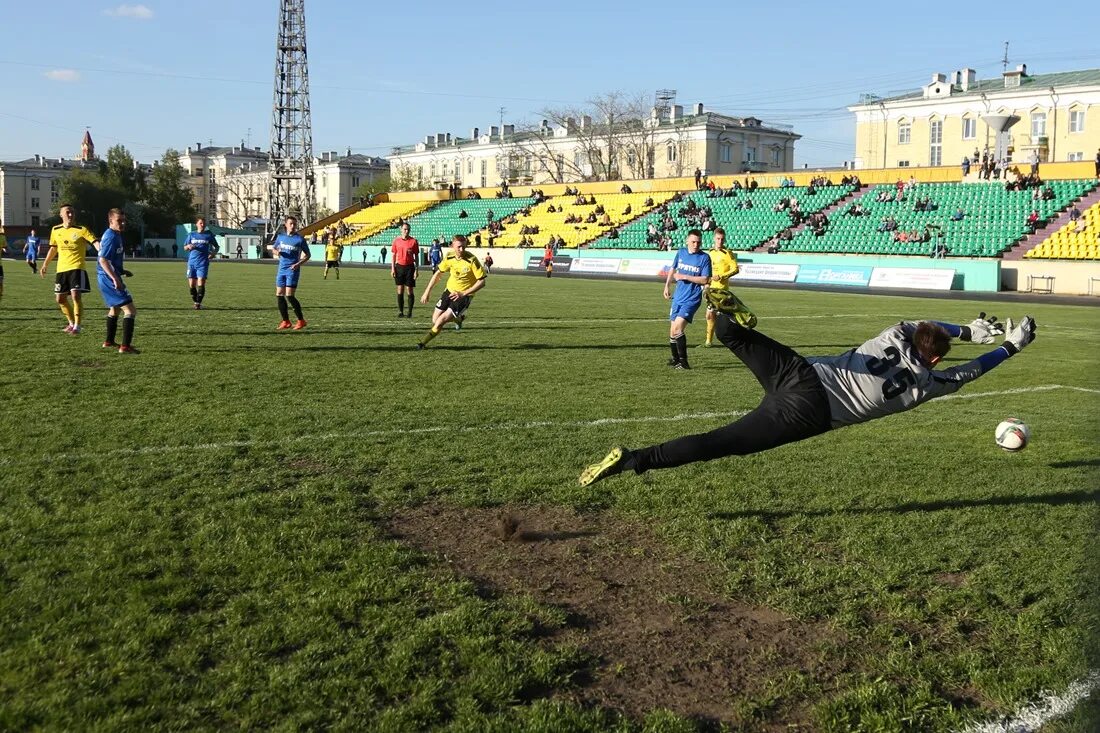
{"x":290,"y":159}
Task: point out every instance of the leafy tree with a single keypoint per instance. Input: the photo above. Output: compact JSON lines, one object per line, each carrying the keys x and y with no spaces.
{"x":379,"y":184}
{"x":168,"y":199}
{"x":121,"y":172}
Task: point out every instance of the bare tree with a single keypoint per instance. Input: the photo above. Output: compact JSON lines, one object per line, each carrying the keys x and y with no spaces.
{"x":638,"y":136}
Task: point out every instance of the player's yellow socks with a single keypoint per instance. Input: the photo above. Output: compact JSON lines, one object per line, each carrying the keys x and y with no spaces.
{"x":77,"y":310}
{"x":430,"y":335}
{"x":710,"y":331}
{"x":67,"y":310}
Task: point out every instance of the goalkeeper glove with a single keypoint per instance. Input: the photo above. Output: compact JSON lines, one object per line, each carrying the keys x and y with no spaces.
{"x":1019,"y":335}
{"x":981,"y":330}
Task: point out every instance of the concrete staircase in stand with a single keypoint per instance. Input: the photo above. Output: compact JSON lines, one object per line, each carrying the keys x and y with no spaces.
{"x":1030,"y":241}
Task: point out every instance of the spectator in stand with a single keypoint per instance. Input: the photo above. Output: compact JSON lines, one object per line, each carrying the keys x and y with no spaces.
{"x":648,"y":202}
{"x":462,"y":214}
{"x":625,"y":189}
{"x":959,"y":215}
{"x":1074,"y":213}
{"x":698,"y":179}
{"x":627,"y":210}
{"x":1097,"y":170}
{"x":1034,"y":160}
{"x":591,"y":218}
{"x":1032,"y":221}
{"x":1048,"y":193}
{"x":966,"y":166}
{"x":651,"y":234}
{"x":605,"y":220}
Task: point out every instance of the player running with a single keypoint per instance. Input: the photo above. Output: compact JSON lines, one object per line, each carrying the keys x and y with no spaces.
{"x":467,"y":276}
{"x":30,"y":250}
{"x":200,"y":246}
{"x":804,"y":397}
{"x":333,"y":253}
{"x":435,"y":254}
{"x":691,"y":269}
{"x":69,"y":244}
{"x":292,"y":251}
{"x":723,"y":264}
{"x":109,"y":271}
{"x":406,"y":251}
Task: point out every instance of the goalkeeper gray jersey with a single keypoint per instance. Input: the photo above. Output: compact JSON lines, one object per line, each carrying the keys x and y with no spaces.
{"x":884,"y":376}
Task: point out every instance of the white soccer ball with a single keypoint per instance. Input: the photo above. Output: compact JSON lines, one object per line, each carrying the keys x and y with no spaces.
{"x":1012,"y":434}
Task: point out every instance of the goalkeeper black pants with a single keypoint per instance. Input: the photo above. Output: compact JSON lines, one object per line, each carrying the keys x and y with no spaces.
{"x":795,"y":406}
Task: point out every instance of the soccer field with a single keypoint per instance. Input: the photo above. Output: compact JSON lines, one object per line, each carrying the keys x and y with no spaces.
{"x":244,"y":528}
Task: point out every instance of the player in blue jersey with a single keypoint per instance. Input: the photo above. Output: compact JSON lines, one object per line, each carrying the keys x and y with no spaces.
{"x":109,"y":271}
{"x":30,"y":249}
{"x":292,"y":251}
{"x":435,"y":254}
{"x":691,"y":269}
{"x":200,"y":246}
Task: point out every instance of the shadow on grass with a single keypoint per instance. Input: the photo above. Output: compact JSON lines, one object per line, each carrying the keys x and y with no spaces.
{"x":1076,"y":464}
{"x":411,"y":346}
{"x":1051,"y":499}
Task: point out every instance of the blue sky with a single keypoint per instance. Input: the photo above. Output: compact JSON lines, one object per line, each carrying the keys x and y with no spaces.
{"x":154,"y":74}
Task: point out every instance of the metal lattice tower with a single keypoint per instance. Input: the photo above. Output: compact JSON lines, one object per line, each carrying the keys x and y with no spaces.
{"x":290,"y":161}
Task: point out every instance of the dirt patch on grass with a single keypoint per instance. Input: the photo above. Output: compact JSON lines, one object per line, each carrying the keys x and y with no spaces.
{"x":659,"y":633}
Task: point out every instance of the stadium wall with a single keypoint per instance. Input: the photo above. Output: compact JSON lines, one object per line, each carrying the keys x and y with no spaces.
{"x":1069,"y":278}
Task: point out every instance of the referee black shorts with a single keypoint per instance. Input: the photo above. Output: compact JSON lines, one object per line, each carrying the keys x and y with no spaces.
{"x":404,"y":275}
{"x":455,"y":305}
{"x":70,"y":280}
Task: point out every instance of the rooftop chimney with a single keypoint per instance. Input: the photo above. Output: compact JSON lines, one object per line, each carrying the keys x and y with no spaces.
{"x":967,"y":78}
{"x":509,"y":129}
{"x":474,"y":133}
{"x":677,"y":113}
{"x":698,"y":108}
{"x":494,"y":131}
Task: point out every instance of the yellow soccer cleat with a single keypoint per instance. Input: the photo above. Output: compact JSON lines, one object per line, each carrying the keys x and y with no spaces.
{"x":726,"y":302}
{"x":610,"y":465}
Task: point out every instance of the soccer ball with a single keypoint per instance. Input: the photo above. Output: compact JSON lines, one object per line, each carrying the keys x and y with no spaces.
{"x":1012,"y":434}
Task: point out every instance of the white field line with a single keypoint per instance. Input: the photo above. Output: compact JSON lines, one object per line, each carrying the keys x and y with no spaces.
{"x":1032,"y":717}
{"x":492,"y":427}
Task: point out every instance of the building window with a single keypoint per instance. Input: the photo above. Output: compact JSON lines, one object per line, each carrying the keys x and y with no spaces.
{"x":35,"y":204}
{"x":36,"y":220}
{"x":724,"y":153}
{"x":903,"y":164}
{"x":55,"y":196}
{"x":35,"y":183}
{"x":935,"y":143}
{"x":1076,"y":120}
{"x":1039,"y":124}
{"x":1075,"y":157}
{"x":670,"y":153}
{"x":355,"y":181}
{"x":777,"y":156}
{"x":431,"y":170}
{"x":903,"y":133}
{"x":470,"y":165}
{"x":970,"y":128}
{"x":750,"y":155}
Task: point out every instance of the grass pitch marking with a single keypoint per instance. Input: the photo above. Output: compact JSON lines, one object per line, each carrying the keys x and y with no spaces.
{"x":1032,"y":717}
{"x":397,"y":432}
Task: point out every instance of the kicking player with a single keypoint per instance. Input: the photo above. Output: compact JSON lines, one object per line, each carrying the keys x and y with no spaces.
{"x":293,"y":252}
{"x":332,"y":257}
{"x":691,"y":270}
{"x":200,"y":246}
{"x":804,"y":397}
{"x":467,"y":276}
{"x":723,"y":264}
{"x":69,"y":244}
{"x":109,"y":271}
{"x":406,"y":251}
{"x":30,"y":250}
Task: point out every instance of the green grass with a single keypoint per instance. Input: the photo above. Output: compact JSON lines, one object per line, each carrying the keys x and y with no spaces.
{"x":245,"y":581}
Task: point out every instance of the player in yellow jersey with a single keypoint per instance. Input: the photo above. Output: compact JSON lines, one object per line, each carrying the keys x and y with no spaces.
{"x":333,"y":251}
{"x":466,"y":277}
{"x":69,"y":244}
{"x":723,"y":264}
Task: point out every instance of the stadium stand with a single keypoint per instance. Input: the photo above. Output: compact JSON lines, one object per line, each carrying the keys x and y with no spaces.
{"x":994,"y":219}
{"x":1077,"y":240}
{"x":373,"y":219}
{"x":552,"y":223}
{"x":745,"y":228}
{"x":445,"y":220}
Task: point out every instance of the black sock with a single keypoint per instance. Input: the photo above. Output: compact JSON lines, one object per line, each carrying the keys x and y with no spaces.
{"x":400,"y":302}
{"x":675,"y":351}
{"x":127,"y":330}
{"x":32,"y":266}
{"x":409,"y":297}
{"x":296,"y":306}
{"x":194,"y":295}
{"x":112,"y":328}
{"x":201,"y":293}
{"x":282,"y":307}
{"x":682,"y":348}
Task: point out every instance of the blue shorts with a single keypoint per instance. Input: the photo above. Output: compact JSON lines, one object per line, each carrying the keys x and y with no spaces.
{"x":197,"y":271}
{"x":287,"y":278}
{"x":684,"y":310}
{"x":112,"y":296}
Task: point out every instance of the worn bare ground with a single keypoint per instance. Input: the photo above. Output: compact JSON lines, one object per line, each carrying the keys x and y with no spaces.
{"x":651,"y":619}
